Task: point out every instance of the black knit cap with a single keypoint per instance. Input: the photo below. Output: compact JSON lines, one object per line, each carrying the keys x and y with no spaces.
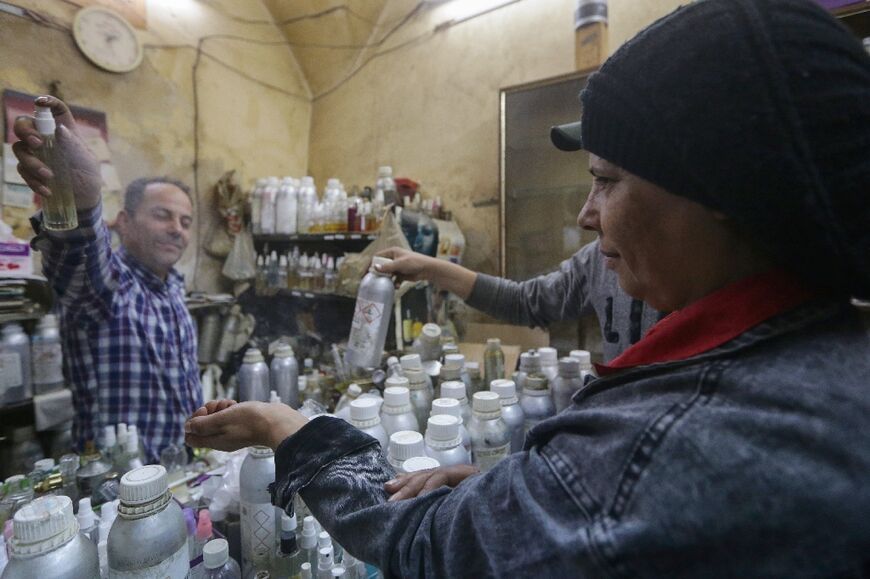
{"x":759,"y":109}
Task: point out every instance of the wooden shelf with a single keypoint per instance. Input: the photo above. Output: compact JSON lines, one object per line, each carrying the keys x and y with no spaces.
{"x":317,"y":237}
{"x":304,"y":294}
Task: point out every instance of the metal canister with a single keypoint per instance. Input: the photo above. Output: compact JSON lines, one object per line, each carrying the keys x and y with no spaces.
{"x":253,"y":377}
{"x":371,"y":318}
{"x":209,"y":337}
{"x":257,"y":511}
{"x":284,"y":375}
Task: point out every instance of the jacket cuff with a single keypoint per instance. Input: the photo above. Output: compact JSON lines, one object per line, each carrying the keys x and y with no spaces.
{"x":88,"y":219}
{"x":301,"y":457}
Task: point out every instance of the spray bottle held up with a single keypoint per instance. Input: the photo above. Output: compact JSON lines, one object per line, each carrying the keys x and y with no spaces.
{"x":58,"y":210}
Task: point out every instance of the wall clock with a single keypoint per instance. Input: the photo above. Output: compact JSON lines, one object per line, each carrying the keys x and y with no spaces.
{"x":107,"y":39}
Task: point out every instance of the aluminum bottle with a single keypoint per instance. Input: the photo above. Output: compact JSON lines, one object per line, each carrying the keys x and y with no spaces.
{"x":530,"y":363}
{"x":566,"y":383}
{"x":217,"y":563}
{"x":549,"y":363}
{"x":257,"y":511}
{"x":284,"y":375}
{"x":396,"y":412}
{"x":511,"y":412}
{"x":404,"y":444}
{"x":371,"y":317}
{"x":365,"y":415}
{"x":414,"y":362}
{"x":476,"y":380}
{"x":493,"y":362}
{"x":443,"y":441}
{"x":458,"y":361}
{"x":149,"y":537}
{"x":46,"y":356}
{"x":209,"y":337}
{"x":459,"y":391}
{"x":59,"y":210}
{"x":490,"y":436}
{"x":452,"y":407}
{"x":47,"y":543}
{"x":420,"y":392}
{"x":428,"y":344}
{"x":585,"y":359}
{"x":257,"y":204}
{"x":536,"y":402}
{"x":15,"y":379}
{"x":253,"y":377}
{"x":447,"y":374}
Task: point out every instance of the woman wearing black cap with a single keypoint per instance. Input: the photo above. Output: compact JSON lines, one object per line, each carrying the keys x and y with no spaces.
{"x":730,"y":144}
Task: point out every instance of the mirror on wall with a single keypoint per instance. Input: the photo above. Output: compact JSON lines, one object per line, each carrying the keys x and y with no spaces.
{"x":542,"y":191}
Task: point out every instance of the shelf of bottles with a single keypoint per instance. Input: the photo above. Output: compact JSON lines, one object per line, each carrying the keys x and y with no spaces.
{"x":314,"y":237}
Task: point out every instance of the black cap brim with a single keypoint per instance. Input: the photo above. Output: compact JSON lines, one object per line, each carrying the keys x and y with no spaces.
{"x":567,"y":137}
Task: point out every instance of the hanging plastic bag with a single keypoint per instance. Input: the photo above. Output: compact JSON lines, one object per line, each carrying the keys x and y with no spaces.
{"x":241,"y":263}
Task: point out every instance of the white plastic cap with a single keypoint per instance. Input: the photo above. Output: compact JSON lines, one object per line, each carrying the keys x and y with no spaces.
{"x":308,"y":538}
{"x":583,"y":356}
{"x":308,"y":363}
{"x":252,"y":356}
{"x":86,"y":514}
{"x":354,"y":390}
{"x":443,"y":427}
{"x":397,"y":395}
{"x":44,"y":120}
{"x":411,"y":362}
{"x":392,"y":360}
{"x":122,"y":432}
{"x":274,"y":398}
{"x":493,"y":342}
{"x":363,"y":409}
{"x":109,"y":438}
{"x":338,"y":571}
{"x":333,"y":182}
{"x":261,"y":452}
{"x":378,"y":260}
{"x":144,"y":484}
{"x":305,"y":571}
{"x":530,"y":361}
{"x":549,"y":356}
{"x":473,"y":367}
{"x":283,"y":351}
{"x":42,"y":525}
{"x":406,"y":444}
{"x":569,"y":367}
{"x":448,"y":406}
{"x":385,"y":171}
{"x":454,"y":389}
{"x":432,"y":331}
{"x":108,"y":511}
{"x":45,"y":464}
{"x":506,"y":389}
{"x":282,"y":261}
{"x":418,"y":463}
{"x":454,"y":361}
{"x":486,"y":402}
{"x":324,"y":540}
{"x":215,"y":553}
{"x":308,"y":180}
{"x":288,"y":523}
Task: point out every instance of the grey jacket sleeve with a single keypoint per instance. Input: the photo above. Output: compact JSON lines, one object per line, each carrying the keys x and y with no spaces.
{"x":561,"y":295}
{"x":507,"y":523}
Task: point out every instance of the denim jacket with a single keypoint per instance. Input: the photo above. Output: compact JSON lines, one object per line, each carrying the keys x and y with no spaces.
{"x":749,"y":460}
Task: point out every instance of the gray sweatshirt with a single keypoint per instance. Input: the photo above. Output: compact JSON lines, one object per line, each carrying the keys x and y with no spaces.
{"x":581,"y":285}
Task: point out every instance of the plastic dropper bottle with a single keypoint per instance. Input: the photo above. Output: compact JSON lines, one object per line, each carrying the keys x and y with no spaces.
{"x":308,"y":541}
{"x":288,"y":557}
{"x":58,"y":210}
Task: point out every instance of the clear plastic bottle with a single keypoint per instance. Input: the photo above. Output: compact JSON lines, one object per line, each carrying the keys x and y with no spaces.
{"x":444,"y":442}
{"x":88,"y":524}
{"x":365,"y":415}
{"x":282,"y":272}
{"x":458,"y":390}
{"x":305,"y":571}
{"x":404,"y":444}
{"x":452,"y":407}
{"x":511,"y":412}
{"x":19,"y":492}
{"x":566,"y":383}
{"x":59,"y":210}
{"x":371,"y":317}
{"x":342,"y":408}
{"x":549,"y":363}
{"x":253,"y":377}
{"x":385,"y":189}
{"x":308,"y":541}
{"x":47,"y":543}
{"x":286,"y":207}
{"x":325,"y":563}
{"x":257,"y":511}
{"x":267,"y":206}
{"x":149,"y":537}
{"x":217,"y":562}
{"x":396,"y":412}
{"x":490,"y":436}
{"x":288,"y":557}
{"x":93,"y":471}
{"x":284,"y":375}
{"x":536,"y":401}
{"x":46,"y":356}
{"x":15,"y":379}
{"x":257,"y":204}
{"x":493,"y":361}
{"x":330,"y":277}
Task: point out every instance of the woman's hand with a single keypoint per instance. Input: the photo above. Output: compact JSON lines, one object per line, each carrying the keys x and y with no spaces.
{"x":412,"y":266}
{"x":408,"y":486}
{"x":228,"y":425}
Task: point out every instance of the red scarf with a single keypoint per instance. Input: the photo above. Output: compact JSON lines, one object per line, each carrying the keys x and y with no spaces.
{"x":714,"y":319}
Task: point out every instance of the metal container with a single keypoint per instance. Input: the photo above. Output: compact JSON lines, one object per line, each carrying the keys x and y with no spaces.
{"x":490,"y":436}
{"x":284,"y":375}
{"x":149,"y":537}
{"x":396,"y":412}
{"x":458,"y":390}
{"x":253,"y":377}
{"x":371,"y":317}
{"x":549,"y":363}
{"x":46,"y":356}
{"x":530,"y":363}
{"x":452,"y":407}
{"x":209,"y":337}
{"x":257,"y":511}
{"x":421,"y":394}
{"x":14,"y":365}
{"x":511,"y":412}
{"x":47,"y":543}
{"x":567,"y":383}
{"x":364,"y":415}
{"x":404,"y":444}
{"x":444,"y":442}
{"x":536,"y":402}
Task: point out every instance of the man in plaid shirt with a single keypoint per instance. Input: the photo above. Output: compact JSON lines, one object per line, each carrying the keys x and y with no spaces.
{"x":129,"y":341}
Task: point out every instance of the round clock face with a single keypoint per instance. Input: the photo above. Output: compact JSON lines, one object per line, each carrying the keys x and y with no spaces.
{"x":107,"y":39}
